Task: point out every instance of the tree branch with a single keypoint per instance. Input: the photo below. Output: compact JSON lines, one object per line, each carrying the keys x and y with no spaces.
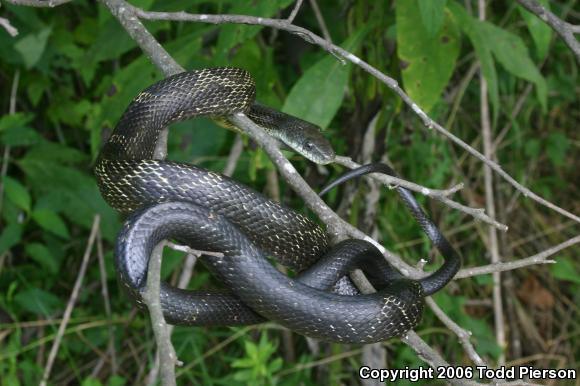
{"x":39,"y":3}
{"x":461,"y":333}
{"x":539,"y":258}
{"x":562,"y":28}
{"x":167,"y":356}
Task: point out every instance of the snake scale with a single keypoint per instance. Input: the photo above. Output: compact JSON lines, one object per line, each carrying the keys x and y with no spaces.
{"x":208,"y":211}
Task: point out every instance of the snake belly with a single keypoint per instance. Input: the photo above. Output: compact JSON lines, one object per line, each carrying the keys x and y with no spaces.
{"x":208,"y":211}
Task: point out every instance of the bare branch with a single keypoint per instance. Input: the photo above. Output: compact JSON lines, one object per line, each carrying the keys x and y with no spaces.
{"x":562,"y":28}
{"x":539,"y":258}
{"x":167,"y":356}
{"x":490,"y":204}
{"x":105,"y":293}
{"x":320,"y":20}
{"x":5,"y":23}
{"x":234,"y":156}
{"x":461,"y":333}
{"x":39,"y":3}
{"x":295,"y":11}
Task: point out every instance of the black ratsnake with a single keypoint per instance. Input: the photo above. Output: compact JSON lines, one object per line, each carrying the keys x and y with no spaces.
{"x":208,"y":211}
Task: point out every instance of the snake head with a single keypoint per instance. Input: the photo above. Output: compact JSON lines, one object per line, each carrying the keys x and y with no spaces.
{"x":316,"y":148}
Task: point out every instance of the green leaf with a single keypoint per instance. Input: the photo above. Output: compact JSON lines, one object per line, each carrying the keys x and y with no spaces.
{"x":532,"y":148}
{"x":10,"y":236}
{"x":41,"y":254}
{"x":17,"y":120}
{"x":14,"y":130}
{"x":318,"y":94}
{"x":116,"y":380}
{"x":474,"y":30}
{"x":17,"y":193}
{"x":51,"y":222}
{"x":564,"y":269}
{"x":511,"y":52}
{"x":23,"y":136}
{"x":556,"y":147}
{"x":91,"y":382}
{"x":38,"y":301}
{"x":427,"y":62}
{"x":432,"y":14}
{"x":540,"y":31}
{"x":31,"y":47}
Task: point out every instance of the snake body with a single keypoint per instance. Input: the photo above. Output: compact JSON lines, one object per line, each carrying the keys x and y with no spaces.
{"x":208,"y":211}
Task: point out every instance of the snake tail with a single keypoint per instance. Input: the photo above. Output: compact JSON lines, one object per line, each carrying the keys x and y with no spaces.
{"x":437,"y":280}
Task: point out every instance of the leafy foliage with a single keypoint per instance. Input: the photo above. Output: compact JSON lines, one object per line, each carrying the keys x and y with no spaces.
{"x":71,"y":71}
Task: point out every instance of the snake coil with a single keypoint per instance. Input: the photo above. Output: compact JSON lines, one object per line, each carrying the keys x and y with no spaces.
{"x":208,"y":211}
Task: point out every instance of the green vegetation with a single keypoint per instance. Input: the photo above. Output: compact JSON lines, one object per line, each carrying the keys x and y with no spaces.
{"x":68,"y":75}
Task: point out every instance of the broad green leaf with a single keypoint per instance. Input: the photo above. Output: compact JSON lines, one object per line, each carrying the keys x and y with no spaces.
{"x":474,"y":30}
{"x":10,"y":236}
{"x":38,"y":301}
{"x":51,"y":222}
{"x":16,"y":120}
{"x":564,"y":269}
{"x":318,"y":94}
{"x":55,"y":152}
{"x":41,"y":254}
{"x":540,"y":31}
{"x":23,"y":136}
{"x":31,"y":47}
{"x":17,"y":193}
{"x":427,"y":62}
{"x":69,"y":192}
{"x":432,"y":14}
{"x":511,"y":52}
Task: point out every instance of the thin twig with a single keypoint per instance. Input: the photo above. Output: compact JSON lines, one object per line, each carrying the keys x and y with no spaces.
{"x":461,"y":333}
{"x":234,"y":156}
{"x":72,"y":301}
{"x":490,"y":205}
{"x":5,"y":23}
{"x":105,"y":293}
{"x":6,"y":154}
{"x":320,"y":20}
{"x":562,"y":28}
{"x":539,"y":258}
{"x":295,"y":11}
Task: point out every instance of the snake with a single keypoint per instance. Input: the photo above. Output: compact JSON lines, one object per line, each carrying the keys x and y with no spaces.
{"x":208,"y":211}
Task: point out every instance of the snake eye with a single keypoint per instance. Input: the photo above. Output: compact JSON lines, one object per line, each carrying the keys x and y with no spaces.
{"x":308,"y":145}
